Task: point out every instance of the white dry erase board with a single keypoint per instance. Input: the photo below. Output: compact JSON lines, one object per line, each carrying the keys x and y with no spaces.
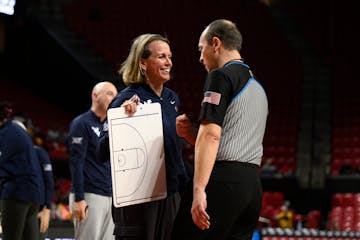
{"x":137,"y":155}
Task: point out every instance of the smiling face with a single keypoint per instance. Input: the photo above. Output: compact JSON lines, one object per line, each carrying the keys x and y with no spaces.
{"x":158,"y":65}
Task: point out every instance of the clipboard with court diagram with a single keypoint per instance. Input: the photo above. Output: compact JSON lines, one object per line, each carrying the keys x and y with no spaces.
{"x":137,"y":155}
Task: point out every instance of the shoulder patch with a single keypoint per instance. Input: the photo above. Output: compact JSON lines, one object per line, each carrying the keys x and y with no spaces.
{"x":47,"y":167}
{"x":211,"y":97}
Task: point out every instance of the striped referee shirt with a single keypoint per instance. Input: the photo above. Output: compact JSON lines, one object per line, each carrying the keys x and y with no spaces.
{"x":237,"y":102}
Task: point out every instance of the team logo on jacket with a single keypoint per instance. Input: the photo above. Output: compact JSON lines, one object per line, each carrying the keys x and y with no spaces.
{"x":106,"y":127}
{"x":96,"y":130}
{"x":172,"y":102}
{"x":76,"y":140}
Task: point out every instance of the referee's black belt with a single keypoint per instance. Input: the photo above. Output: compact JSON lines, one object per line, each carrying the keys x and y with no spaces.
{"x":237,"y":163}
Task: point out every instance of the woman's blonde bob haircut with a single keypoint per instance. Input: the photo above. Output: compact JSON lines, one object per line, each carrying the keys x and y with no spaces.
{"x":130,"y":69}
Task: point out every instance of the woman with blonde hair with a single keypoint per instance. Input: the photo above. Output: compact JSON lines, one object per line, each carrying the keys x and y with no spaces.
{"x":145,"y":71}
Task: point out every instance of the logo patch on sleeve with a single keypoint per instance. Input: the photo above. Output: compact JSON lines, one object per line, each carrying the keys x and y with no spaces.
{"x":76,"y":140}
{"x":47,"y":167}
{"x":211,"y":97}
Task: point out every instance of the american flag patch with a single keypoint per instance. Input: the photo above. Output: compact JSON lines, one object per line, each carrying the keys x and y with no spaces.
{"x":211,"y":97}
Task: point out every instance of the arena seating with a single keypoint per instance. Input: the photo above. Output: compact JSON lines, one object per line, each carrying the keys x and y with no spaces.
{"x":107,"y":29}
{"x":345,"y":212}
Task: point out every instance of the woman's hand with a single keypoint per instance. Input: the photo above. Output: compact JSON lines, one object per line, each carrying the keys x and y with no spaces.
{"x":131,"y":104}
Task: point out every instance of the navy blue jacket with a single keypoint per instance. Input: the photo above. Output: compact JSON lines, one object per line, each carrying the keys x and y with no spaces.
{"x":176,"y":176}
{"x":19,"y":166}
{"x":88,"y":174}
{"x":47,"y":175}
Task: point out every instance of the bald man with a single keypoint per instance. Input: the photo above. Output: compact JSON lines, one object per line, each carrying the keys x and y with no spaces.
{"x":90,"y":198}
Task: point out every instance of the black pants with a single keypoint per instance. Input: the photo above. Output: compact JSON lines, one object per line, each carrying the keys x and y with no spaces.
{"x":146,"y":221}
{"x":234,"y":195}
{"x":19,"y":220}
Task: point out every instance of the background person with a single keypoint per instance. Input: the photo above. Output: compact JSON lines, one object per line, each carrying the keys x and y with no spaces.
{"x":90,"y":199}
{"x":227,"y":190}
{"x":20,"y":180}
{"x":48,"y":178}
{"x":47,"y":182}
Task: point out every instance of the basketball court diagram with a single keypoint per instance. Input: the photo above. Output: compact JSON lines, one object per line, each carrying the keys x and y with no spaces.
{"x":130,"y":161}
{"x":137,"y":155}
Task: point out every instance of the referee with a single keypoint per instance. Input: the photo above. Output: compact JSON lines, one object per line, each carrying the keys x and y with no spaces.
{"x":226,"y":192}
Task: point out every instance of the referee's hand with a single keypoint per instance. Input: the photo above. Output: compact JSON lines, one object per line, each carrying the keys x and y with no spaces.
{"x":198,"y":210}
